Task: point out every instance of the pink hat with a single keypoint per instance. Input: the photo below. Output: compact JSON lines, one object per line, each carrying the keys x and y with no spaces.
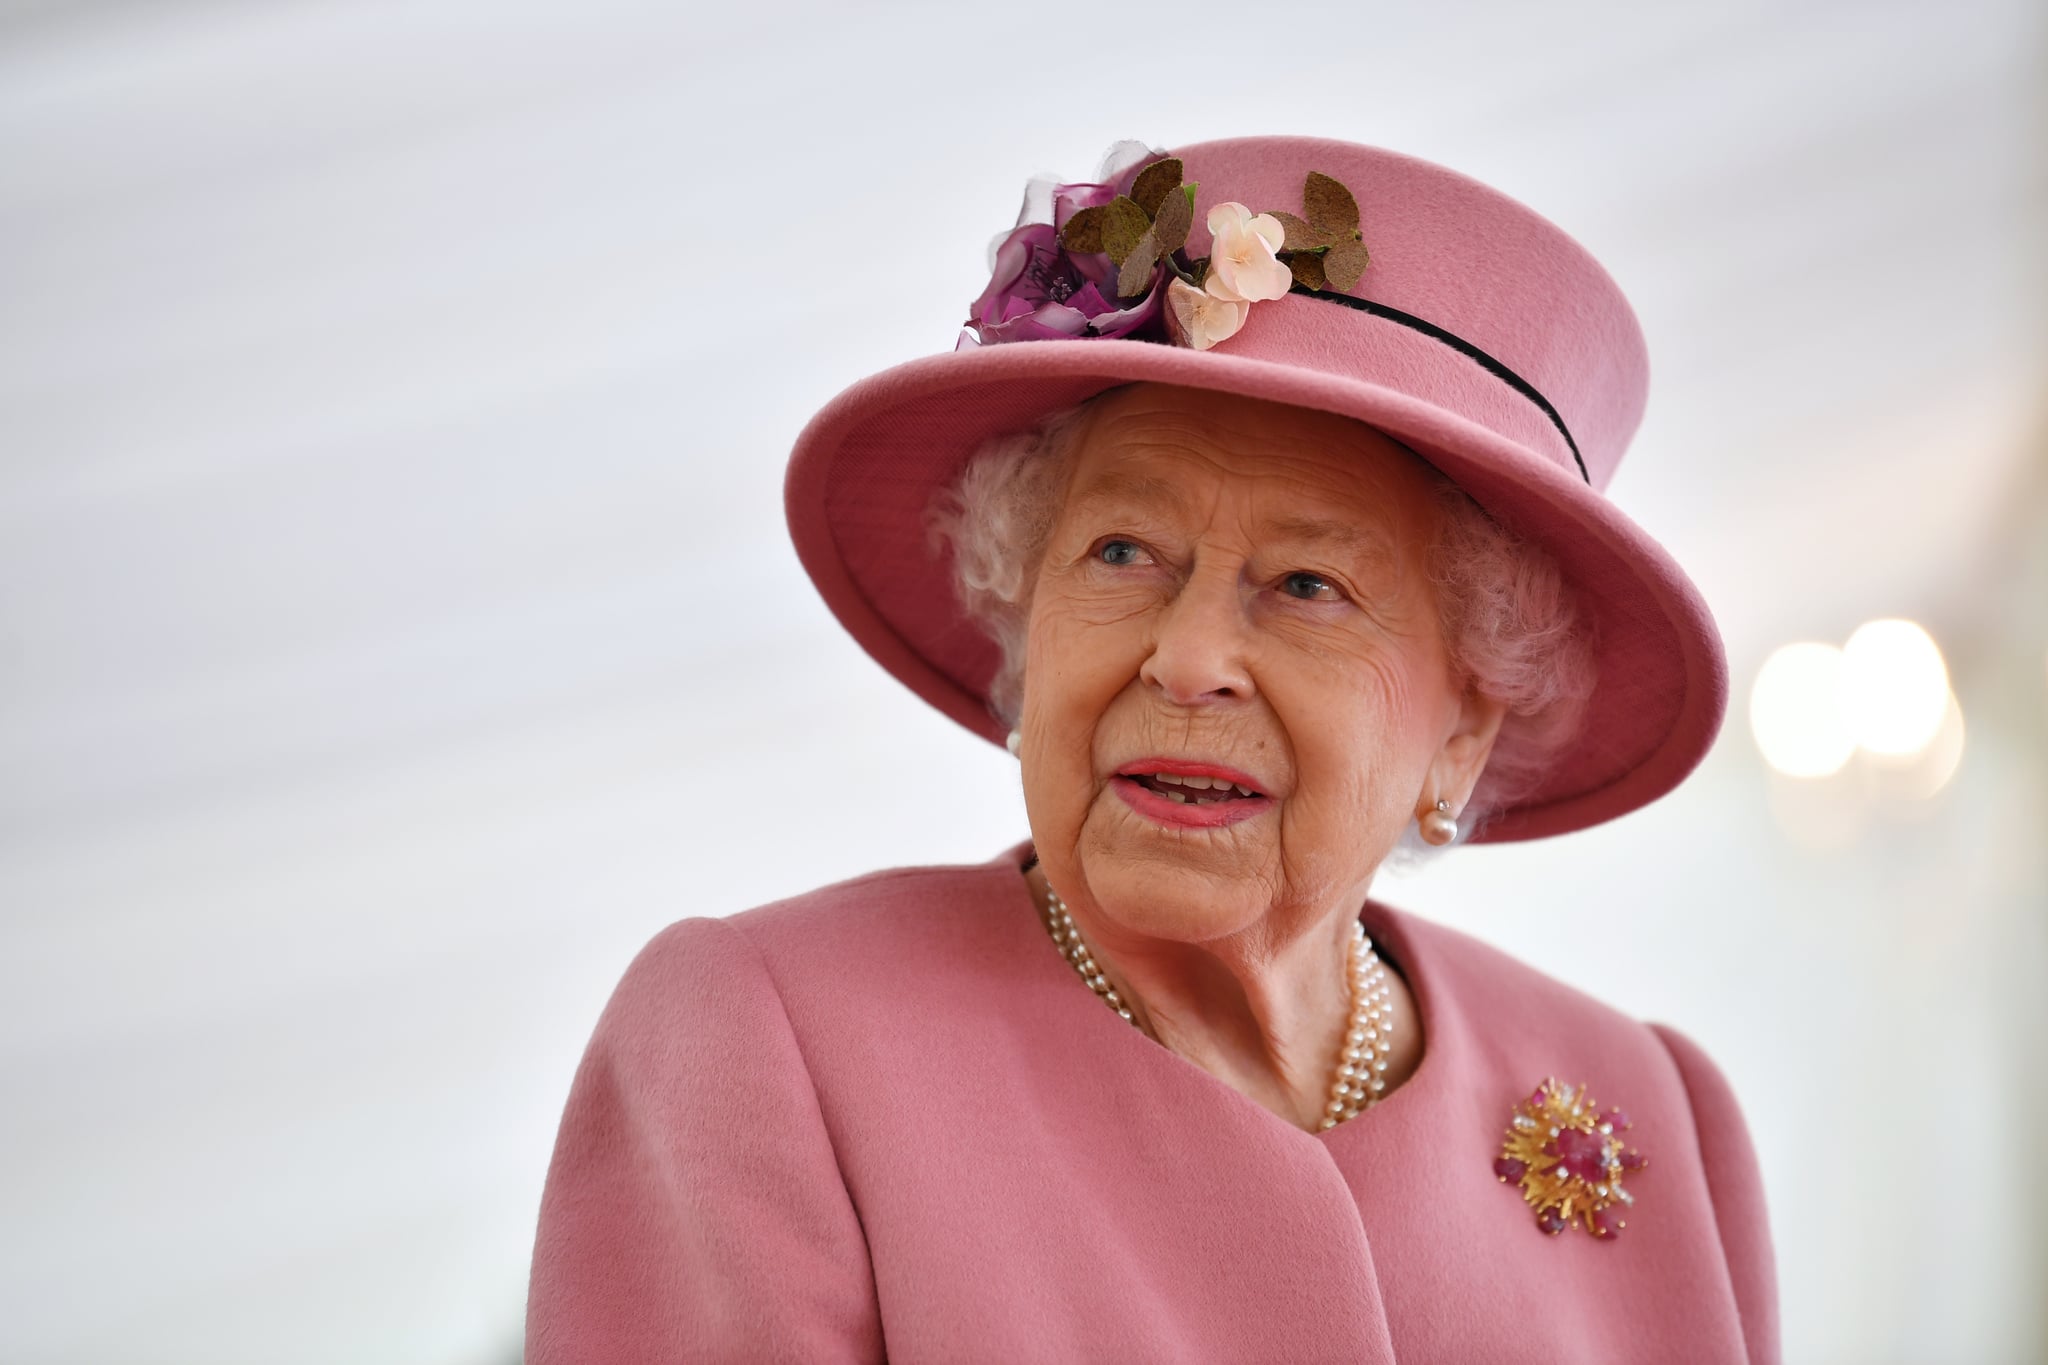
{"x":1479,"y":335}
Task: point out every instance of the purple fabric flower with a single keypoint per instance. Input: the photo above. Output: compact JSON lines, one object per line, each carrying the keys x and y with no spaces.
{"x":1038,"y":291}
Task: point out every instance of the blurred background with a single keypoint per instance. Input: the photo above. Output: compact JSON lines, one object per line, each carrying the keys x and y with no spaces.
{"x":397,"y":624}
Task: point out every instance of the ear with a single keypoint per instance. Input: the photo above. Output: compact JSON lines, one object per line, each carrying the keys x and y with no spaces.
{"x":1455,"y":769}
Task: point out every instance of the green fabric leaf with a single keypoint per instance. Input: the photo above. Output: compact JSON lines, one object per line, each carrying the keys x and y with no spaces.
{"x":1331,"y":209}
{"x":1308,"y":269}
{"x":1135,"y":277}
{"x":1343,"y":264}
{"x":1083,"y":232}
{"x":1300,"y":236}
{"x":1153,"y":182}
{"x":1123,"y":223}
{"x":1171,"y":223}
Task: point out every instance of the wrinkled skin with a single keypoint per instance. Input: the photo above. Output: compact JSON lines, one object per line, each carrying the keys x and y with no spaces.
{"x":1181,"y":609}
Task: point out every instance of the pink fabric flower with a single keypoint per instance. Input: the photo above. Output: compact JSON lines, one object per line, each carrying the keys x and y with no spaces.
{"x":1199,"y":318}
{"x":1242,"y":266}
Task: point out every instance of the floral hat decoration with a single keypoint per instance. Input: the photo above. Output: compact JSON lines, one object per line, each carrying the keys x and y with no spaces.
{"x":1104,"y":263}
{"x":1323,"y":274}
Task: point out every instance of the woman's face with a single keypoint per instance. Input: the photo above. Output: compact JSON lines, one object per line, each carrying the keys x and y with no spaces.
{"x":1236,"y":590}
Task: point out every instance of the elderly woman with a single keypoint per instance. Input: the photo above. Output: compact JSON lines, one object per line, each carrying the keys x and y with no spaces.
{"x":1260,"y":513}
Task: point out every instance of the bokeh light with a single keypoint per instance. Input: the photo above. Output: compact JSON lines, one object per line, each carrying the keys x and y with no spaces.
{"x":1920,"y":775}
{"x":1795,"y":710}
{"x":1895,"y":688}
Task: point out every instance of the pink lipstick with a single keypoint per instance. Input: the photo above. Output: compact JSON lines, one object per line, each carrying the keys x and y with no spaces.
{"x":1185,"y":794}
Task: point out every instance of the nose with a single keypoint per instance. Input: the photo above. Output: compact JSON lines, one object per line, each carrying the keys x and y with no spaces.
{"x":1200,"y":643}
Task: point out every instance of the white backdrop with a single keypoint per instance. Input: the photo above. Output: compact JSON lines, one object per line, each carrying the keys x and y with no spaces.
{"x":397,"y":625}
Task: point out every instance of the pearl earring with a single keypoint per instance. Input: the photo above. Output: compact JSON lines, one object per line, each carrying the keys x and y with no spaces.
{"x":1437,"y":826}
{"x":1015,"y":742}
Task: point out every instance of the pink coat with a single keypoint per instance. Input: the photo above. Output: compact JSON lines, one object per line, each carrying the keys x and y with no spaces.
{"x":886,"y":1117}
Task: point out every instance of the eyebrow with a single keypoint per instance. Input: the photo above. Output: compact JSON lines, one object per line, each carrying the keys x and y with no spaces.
{"x":1345,"y":536}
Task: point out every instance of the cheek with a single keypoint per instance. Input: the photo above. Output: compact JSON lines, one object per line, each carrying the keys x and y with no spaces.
{"x":1075,"y":658}
{"x":1078,"y":660}
{"x":1359,"y":724}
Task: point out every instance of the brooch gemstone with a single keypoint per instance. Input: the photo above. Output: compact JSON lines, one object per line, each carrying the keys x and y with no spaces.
{"x":1566,"y":1155}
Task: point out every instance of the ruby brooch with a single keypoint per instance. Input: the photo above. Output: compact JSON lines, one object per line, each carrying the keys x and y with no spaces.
{"x":1566,"y":1154}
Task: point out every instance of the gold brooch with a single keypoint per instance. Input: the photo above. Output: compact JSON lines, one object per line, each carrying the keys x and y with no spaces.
{"x":1564,"y":1152}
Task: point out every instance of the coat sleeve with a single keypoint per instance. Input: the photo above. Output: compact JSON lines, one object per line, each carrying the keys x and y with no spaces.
{"x":1736,"y":1184}
{"x":694,"y":1209}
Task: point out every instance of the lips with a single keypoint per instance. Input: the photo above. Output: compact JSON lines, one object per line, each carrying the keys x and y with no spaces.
{"x":1182,"y":792}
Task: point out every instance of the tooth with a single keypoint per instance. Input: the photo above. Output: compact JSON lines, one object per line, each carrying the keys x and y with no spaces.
{"x":1177,"y":796}
{"x":1166,"y":777}
{"x":1199,"y":783}
{"x":1242,"y":789}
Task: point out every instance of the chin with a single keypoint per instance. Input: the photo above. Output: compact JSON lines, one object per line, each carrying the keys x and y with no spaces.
{"x":1172,"y":891}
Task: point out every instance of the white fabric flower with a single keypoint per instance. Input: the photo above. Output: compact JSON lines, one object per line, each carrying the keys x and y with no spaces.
{"x":1242,"y":266}
{"x":1200,"y":317}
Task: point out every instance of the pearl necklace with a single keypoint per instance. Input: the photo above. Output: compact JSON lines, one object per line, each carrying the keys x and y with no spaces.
{"x":1359,"y":1080}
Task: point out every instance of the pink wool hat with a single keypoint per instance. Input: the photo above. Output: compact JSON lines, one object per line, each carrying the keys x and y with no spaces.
{"x":1478,"y":335}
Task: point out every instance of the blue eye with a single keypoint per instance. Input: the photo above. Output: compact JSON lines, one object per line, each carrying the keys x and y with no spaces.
{"x":1118,"y":552}
{"x":1308,"y":586}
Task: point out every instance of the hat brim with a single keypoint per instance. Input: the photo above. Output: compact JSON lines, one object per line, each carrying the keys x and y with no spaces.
{"x":864,"y":471}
